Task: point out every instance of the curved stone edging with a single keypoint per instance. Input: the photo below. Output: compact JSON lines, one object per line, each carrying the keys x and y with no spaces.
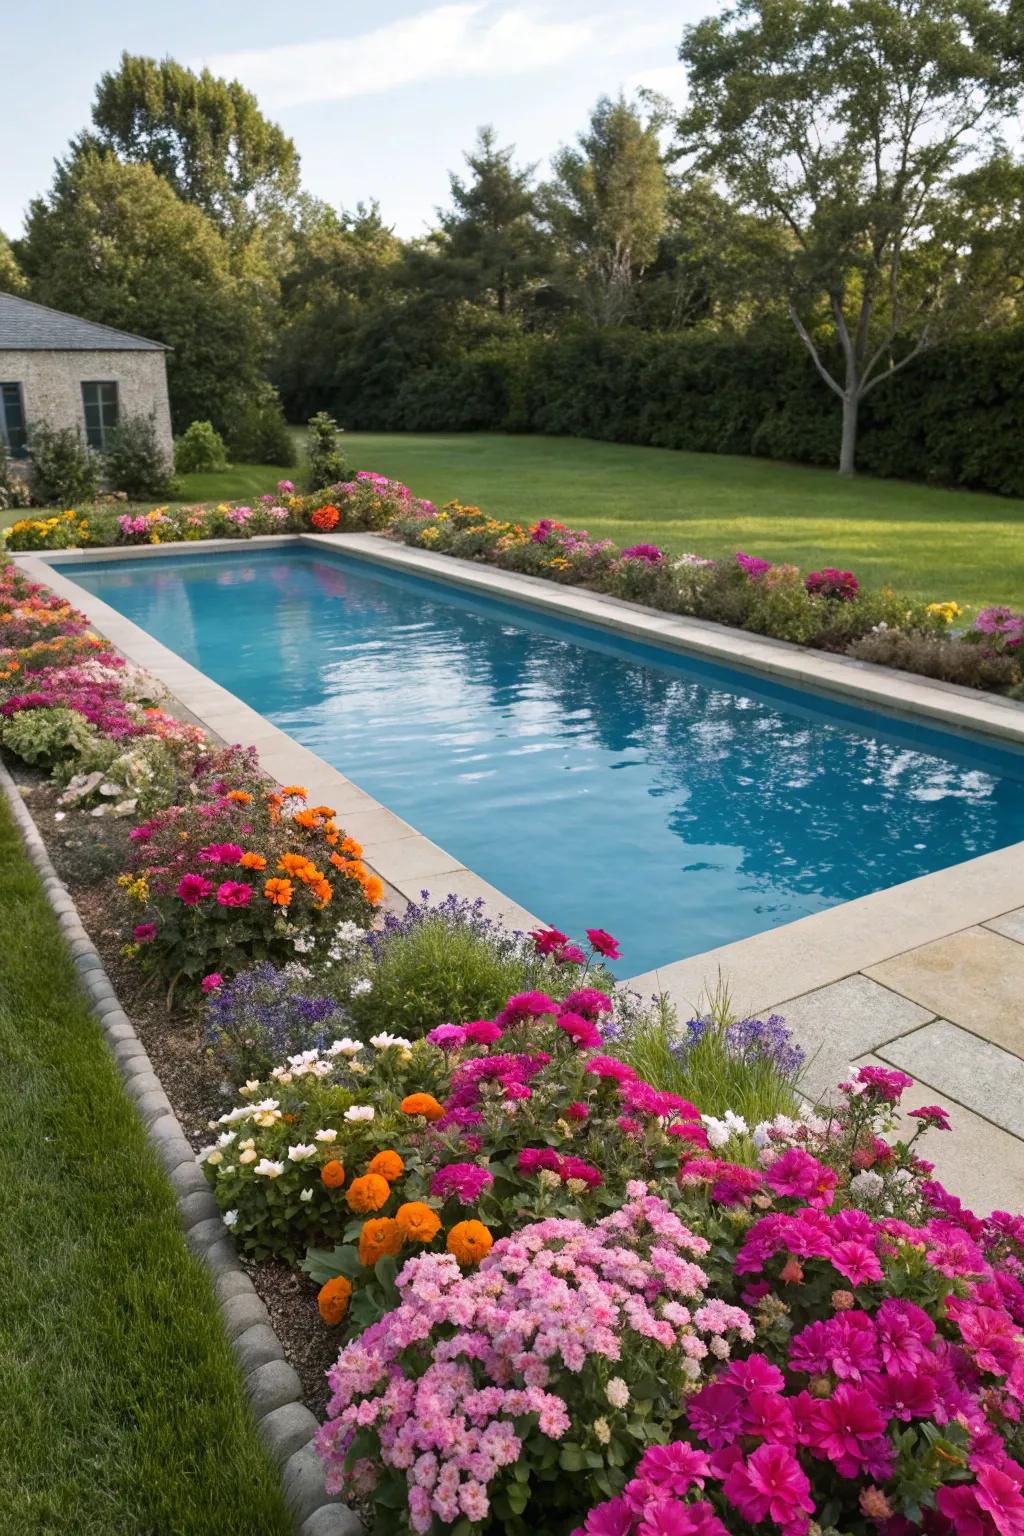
{"x":285,"y":1424}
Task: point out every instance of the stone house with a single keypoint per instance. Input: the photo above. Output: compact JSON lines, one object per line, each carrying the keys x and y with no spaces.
{"x":65,"y":372}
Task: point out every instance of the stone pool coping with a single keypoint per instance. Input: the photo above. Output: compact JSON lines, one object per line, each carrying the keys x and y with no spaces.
{"x":762,"y":971}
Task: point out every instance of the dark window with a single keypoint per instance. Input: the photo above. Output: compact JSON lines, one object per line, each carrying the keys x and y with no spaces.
{"x":12,"y":420}
{"x":100,"y":404}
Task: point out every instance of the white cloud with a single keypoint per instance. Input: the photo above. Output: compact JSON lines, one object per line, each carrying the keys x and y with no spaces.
{"x":666,"y":80}
{"x":469,"y":37}
{"x":450,"y":41}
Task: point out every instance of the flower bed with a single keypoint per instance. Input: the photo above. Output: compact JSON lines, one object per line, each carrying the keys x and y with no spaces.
{"x":827,"y":609}
{"x":569,"y":1285}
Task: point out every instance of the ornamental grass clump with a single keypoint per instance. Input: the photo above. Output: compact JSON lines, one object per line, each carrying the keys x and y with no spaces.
{"x":499,"y":1398}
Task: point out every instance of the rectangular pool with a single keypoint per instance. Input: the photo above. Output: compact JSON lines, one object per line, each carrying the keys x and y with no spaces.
{"x":602,"y":782}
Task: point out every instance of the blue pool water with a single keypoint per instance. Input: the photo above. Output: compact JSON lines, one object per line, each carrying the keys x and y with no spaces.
{"x":597,"y":781}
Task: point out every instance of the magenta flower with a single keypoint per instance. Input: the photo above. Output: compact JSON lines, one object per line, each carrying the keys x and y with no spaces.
{"x":855,"y":1261}
{"x":588,"y":1001}
{"x":482,"y":1032}
{"x":211,"y":982}
{"x":613,"y":1518}
{"x":583,"y":1032}
{"x":906,"y":1395}
{"x":798,"y":1174}
{"x":192,"y":889}
{"x":144,"y":933}
{"x":752,"y":565}
{"x":523,"y":1006}
{"x":932,"y":1115}
{"x":220,"y":853}
{"x":770,"y":1485}
{"x":576,"y":1111}
{"x":644,"y":554}
{"x":714,"y":1414}
{"x":830,"y":582}
{"x":234,"y":893}
{"x":448,"y":1036}
{"x":609,"y":1066}
{"x":844,"y":1346}
{"x":569,"y":954}
{"x":547,"y":940}
{"x":465,"y":1181}
{"x":886,"y":1082}
{"x":852,"y":1433}
{"x":603,"y":943}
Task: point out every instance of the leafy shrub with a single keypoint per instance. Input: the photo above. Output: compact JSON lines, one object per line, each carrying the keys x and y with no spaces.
{"x":940,"y":656}
{"x":258,"y":432}
{"x":68,"y":530}
{"x":14,"y":490}
{"x":63,"y":471}
{"x":265,"y":1014}
{"x":135,"y":462}
{"x":326,"y":463}
{"x":121,"y":780}
{"x":46,"y":736}
{"x":200,"y":450}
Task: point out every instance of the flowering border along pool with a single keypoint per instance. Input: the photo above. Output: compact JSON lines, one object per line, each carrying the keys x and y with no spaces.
{"x":762,"y":971}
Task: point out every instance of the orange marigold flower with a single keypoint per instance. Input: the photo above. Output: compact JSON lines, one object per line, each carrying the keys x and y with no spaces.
{"x":239,"y":796}
{"x":322,"y":890}
{"x":294,"y":864}
{"x":322,"y":810}
{"x":296,"y":790}
{"x":419,"y":1223}
{"x":381,"y":1235}
{"x":309,"y":874}
{"x":252,"y":861}
{"x":279,"y":892}
{"x":348,"y":869}
{"x":373,"y":890}
{"x":307,"y":819}
{"x":470,"y":1241}
{"x":388,"y":1164}
{"x":422,"y":1104}
{"x":332,"y":1174}
{"x":352,"y":848}
{"x":333,"y":1299}
{"x":368,"y":1193}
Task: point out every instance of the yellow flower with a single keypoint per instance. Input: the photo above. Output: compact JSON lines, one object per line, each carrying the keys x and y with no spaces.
{"x":947,"y":611}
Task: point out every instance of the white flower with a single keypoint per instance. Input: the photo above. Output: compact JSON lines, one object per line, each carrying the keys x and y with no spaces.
{"x":303,"y":943}
{"x":328,"y":1135}
{"x":867,"y":1185}
{"x":344,"y":1047}
{"x":230,"y":1218}
{"x":248,"y":1156}
{"x":736,"y":1123}
{"x":761,"y":1134}
{"x":304,"y":1058}
{"x":719,"y":1347}
{"x":268,"y":1169}
{"x":691,"y":1368}
{"x":384,"y":1041}
{"x":281,"y":1075}
{"x":360,"y":1112}
{"x":362,"y":986}
{"x":302,"y":1153}
{"x":234,"y":1116}
{"x":718,"y":1131}
{"x":226,"y":1138}
{"x":305,"y":1195}
{"x":206,"y":1153}
{"x":784,"y":1124}
{"x":214,"y":1156}
{"x":251,"y":1087}
{"x":602,"y":1431}
{"x":617,"y":1392}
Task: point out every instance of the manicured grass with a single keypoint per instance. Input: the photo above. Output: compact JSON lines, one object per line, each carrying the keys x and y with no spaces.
{"x":931,"y":543}
{"x":122,"y":1409}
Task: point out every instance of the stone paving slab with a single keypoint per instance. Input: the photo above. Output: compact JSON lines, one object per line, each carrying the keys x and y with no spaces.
{"x":975,"y":978}
{"x":979,"y":1163}
{"x":1011,"y":925}
{"x":974,"y":1072}
{"x":836,"y":1024}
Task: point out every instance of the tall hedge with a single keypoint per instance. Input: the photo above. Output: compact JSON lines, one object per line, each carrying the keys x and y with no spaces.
{"x":955,"y":417}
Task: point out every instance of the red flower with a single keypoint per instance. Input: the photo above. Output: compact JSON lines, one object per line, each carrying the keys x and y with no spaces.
{"x":143,"y":933}
{"x":192,"y":889}
{"x":604,"y":943}
{"x":547,"y":940}
{"x":233,"y":893}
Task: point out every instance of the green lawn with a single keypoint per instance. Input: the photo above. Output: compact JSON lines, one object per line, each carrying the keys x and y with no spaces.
{"x":931,"y":543}
{"x":123,"y":1412}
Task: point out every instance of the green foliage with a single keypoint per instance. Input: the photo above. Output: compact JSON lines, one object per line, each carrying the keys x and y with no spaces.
{"x":200,"y":450}
{"x":939,"y":656}
{"x":46,"y":737}
{"x":14,"y":491}
{"x":12,"y":279}
{"x":64,"y":472}
{"x":135,"y":462}
{"x":257,"y":432}
{"x":326,"y":463}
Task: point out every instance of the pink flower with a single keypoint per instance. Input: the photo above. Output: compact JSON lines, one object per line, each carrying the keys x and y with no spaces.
{"x":673,"y":1468}
{"x":644,"y":554}
{"x":583,"y":1032}
{"x":547,"y":940}
{"x":569,"y":954}
{"x":234,"y":893}
{"x":576,"y":1111}
{"x":588,"y":1001}
{"x":714,"y":1414}
{"x":770,"y":1485}
{"x":798,"y":1174}
{"x":144,"y":933}
{"x":192,"y":889}
{"x":613,"y":1518}
{"x":482,"y":1032}
{"x":603,"y":943}
{"x":844,"y":1346}
{"x":855,"y":1261}
{"x":752,"y":565}
{"x":609,"y":1066}
{"x":851,"y":1433}
{"x":220,"y":853}
{"x":933,"y":1115}
{"x":888,"y":1084}
{"x":211,"y":982}
{"x":906,"y":1395}
{"x":447,"y":1036}
{"x":465,"y":1181}
{"x":523,"y":1006}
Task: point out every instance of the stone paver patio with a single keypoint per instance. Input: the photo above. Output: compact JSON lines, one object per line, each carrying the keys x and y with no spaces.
{"x":951,"y":1015}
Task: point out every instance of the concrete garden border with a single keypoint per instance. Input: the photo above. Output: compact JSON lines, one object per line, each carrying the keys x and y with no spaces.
{"x":286,"y":1426}
{"x":765,"y":970}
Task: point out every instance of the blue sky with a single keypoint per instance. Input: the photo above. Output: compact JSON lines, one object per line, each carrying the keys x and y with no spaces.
{"x":381,"y":99}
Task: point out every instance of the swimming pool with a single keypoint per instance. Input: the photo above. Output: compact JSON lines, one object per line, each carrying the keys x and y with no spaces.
{"x":603,"y":782}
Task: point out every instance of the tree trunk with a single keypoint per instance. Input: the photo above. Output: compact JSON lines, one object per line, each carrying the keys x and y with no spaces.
{"x":848,"y":450}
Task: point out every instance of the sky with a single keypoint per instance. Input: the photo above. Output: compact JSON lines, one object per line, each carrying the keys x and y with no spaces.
{"x":382,"y":99}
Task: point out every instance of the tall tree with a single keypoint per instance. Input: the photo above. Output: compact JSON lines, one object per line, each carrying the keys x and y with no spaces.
{"x":607,"y":204}
{"x":115,"y":244}
{"x":12,"y":279}
{"x":490,"y":244}
{"x":205,"y":136}
{"x":846,"y":124}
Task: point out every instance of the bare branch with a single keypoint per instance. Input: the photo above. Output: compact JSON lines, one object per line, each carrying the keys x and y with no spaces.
{"x":808,"y":342}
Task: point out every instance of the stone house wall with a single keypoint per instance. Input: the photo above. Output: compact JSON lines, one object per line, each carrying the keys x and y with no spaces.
{"x":51,"y":385}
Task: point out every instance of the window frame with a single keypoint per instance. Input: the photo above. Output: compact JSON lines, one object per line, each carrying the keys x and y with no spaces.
{"x":5,"y":429}
{"x":97,"y":437}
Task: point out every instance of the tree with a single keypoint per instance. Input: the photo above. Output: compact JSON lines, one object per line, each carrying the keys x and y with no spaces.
{"x":206,"y":138}
{"x":490,"y":245}
{"x":114,"y":243}
{"x":12,"y":279}
{"x":607,"y":205}
{"x":846,"y":124}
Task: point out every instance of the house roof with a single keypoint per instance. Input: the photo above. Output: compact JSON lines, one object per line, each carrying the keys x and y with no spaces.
{"x":28,"y":327}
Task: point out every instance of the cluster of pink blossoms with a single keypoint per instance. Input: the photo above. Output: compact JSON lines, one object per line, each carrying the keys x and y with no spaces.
{"x":454,"y":1411}
{"x":95,"y":690}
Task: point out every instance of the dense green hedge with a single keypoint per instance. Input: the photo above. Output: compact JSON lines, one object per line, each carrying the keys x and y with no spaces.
{"x":954,"y":417}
